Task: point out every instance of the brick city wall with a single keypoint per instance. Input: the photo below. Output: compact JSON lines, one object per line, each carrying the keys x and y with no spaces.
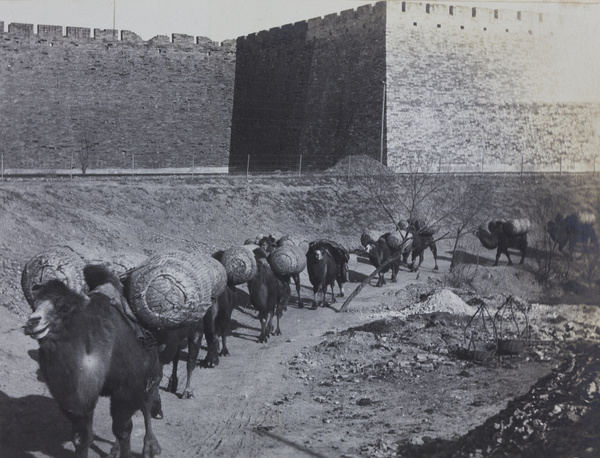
{"x":309,"y":89}
{"x":486,"y":88}
{"x":466,"y":88}
{"x":166,"y":102}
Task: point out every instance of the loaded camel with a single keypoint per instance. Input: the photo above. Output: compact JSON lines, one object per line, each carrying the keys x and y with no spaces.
{"x":89,"y":347}
{"x":572,"y":230}
{"x":503,"y":235}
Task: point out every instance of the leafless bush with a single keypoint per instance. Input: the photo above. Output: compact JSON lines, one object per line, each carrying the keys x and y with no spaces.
{"x":550,"y":265}
{"x":87,"y":152}
{"x":452,"y":206}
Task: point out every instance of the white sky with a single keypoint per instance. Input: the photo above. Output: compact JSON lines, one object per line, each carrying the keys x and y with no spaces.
{"x":216,"y":19}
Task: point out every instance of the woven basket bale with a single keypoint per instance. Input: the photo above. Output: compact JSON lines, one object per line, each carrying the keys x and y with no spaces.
{"x":218,"y":277}
{"x":240,"y":264}
{"x":287,"y":260}
{"x":60,"y":263}
{"x":171,"y":290}
{"x":398,"y":240}
{"x":586,"y":217}
{"x":293,"y":240}
{"x":516,"y":226}
{"x":124,"y":263}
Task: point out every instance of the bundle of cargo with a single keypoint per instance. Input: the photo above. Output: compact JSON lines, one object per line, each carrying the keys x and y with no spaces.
{"x":586,"y":217}
{"x":293,"y":240}
{"x":239,"y":263}
{"x":119,"y":264}
{"x":174,"y":289}
{"x":369,"y":236}
{"x":287,"y":260}
{"x":58,"y":262}
{"x":398,"y":239}
{"x":515,"y":227}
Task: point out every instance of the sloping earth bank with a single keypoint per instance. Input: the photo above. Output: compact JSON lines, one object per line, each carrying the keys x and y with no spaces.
{"x":390,"y":377}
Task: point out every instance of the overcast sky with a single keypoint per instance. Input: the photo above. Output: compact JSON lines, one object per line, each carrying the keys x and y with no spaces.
{"x":216,"y":19}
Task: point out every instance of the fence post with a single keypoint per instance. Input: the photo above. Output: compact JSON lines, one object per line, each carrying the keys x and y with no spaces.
{"x":247,"y":166}
{"x":71,"y":165}
{"x":349,"y":157}
{"x":2,"y":165}
{"x":193,"y":164}
{"x":522,"y":161}
{"x":482,"y":159}
{"x":300,"y":167}
{"x":132,"y":165}
{"x":560,"y":167}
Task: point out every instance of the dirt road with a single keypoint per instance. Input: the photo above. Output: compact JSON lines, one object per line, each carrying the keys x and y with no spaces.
{"x":314,"y":391}
{"x":355,"y":384}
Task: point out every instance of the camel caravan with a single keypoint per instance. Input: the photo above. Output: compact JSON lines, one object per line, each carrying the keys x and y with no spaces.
{"x":105,"y":329}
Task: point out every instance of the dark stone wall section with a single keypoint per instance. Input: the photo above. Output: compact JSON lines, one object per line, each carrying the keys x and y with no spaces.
{"x":309,"y":92}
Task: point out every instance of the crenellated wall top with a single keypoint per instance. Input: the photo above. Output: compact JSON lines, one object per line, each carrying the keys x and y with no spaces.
{"x":425,"y":12}
{"x":57,"y":32}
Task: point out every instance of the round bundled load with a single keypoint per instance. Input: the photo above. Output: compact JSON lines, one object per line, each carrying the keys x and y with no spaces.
{"x":218,"y":277}
{"x":516,"y":226}
{"x":293,"y":240}
{"x":174,"y":289}
{"x":240,"y":264}
{"x":368,"y":237}
{"x":288,"y":260}
{"x":397,"y":239}
{"x":586,"y":217}
{"x":55,"y":263}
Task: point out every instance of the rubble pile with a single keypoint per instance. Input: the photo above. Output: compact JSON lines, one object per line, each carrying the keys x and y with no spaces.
{"x":557,"y":417}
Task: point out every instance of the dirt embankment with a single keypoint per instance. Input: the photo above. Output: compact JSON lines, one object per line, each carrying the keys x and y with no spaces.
{"x":390,"y":377}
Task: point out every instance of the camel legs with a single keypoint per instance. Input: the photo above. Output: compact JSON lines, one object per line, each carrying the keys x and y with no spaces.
{"x":297,"y":283}
{"x":82,"y":434}
{"x":151,"y":445}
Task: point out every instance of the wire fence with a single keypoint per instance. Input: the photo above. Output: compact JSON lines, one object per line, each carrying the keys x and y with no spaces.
{"x":349,"y":166}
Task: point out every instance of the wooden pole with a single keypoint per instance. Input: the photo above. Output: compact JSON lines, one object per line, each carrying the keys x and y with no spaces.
{"x":522,"y":162}
{"x":382,"y":122}
{"x":560,"y":167}
{"x":349,"y":166}
{"x":2,"y":165}
{"x":300,"y":167}
{"x":132,"y":165}
{"x":193,"y":164}
{"x":247,"y":166}
{"x":365,"y":282}
{"x":71,"y":165}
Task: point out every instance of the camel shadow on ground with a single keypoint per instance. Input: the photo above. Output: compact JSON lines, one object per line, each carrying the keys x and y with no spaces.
{"x":488,"y":258}
{"x":33,"y":425}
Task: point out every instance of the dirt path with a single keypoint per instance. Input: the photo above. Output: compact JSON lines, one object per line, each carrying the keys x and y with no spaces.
{"x":241,"y":408}
{"x":317,"y":390}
